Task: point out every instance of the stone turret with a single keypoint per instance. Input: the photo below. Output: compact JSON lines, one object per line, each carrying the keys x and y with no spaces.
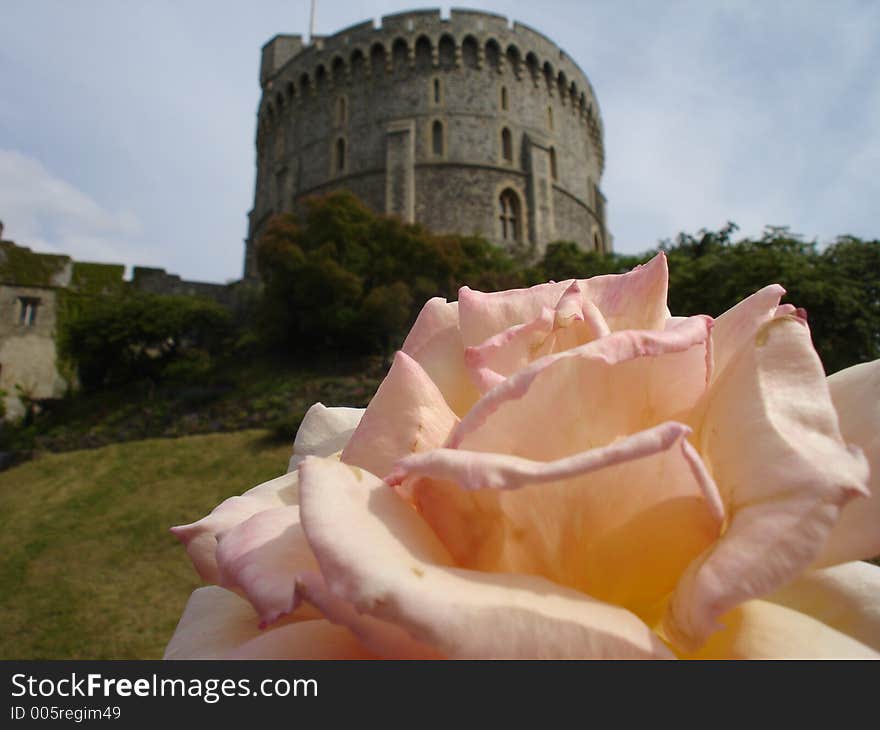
{"x":467,"y":124}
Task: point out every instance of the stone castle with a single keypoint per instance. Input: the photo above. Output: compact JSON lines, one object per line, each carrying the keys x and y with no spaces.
{"x":466,"y":124}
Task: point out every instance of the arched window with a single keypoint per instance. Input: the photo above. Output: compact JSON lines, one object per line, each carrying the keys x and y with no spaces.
{"x":377,"y":60}
{"x":424,"y":54}
{"x":493,"y":54}
{"x":320,"y":78}
{"x":513,"y":59}
{"x":437,"y":138}
{"x":554,"y":171}
{"x":509,"y":215}
{"x":338,"y":71}
{"x":399,"y":56}
{"x":504,"y":103}
{"x":470,"y":52}
{"x":533,"y":66}
{"x":506,"y":145}
{"x":446,"y":52}
{"x":340,"y":155}
{"x":357,"y":63}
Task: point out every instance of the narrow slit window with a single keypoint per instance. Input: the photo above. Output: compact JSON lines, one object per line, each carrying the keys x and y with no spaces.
{"x":340,"y":154}
{"x":436,"y":91}
{"x":504,"y":103}
{"x":506,"y":145}
{"x":437,"y":138}
{"x":554,"y":171}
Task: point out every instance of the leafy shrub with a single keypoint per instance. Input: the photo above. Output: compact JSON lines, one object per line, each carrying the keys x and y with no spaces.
{"x":122,"y":338}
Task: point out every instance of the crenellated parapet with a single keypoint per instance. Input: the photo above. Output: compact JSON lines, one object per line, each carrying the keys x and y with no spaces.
{"x":292,"y":72}
{"x":418,"y":102}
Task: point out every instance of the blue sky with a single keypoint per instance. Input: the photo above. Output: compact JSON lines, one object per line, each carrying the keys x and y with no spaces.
{"x":127,"y":128}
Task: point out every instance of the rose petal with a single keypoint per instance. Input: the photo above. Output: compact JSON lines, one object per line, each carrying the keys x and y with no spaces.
{"x":856,"y":396}
{"x":844,"y":597}
{"x":435,"y":318}
{"x":317,"y":639}
{"x":200,"y":538}
{"x":376,"y":553}
{"x":484,"y":314}
{"x":575,"y":321}
{"x":380,"y":637}
{"x":262,"y":556}
{"x":764,"y":630}
{"x":407,"y":414}
{"x":217,"y":624}
{"x":435,"y":343}
{"x":509,"y":351}
{"x":619,"y":523}
{"x":771,"y":439}
{"x":586,"y":397}
{"x":737,"y":327}
{"x":634,"y":300}
{"x":323,"y":432}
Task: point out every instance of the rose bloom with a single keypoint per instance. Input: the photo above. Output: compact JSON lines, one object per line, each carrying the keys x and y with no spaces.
{"x":565,"y":471}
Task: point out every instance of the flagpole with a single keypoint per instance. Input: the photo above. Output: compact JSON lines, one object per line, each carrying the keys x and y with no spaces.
{"x":312,"y":24}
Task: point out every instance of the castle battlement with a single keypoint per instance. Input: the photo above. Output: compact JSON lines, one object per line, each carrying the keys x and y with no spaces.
{"x":433,"y":119}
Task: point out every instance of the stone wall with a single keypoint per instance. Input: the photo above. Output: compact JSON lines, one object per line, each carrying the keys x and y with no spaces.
{"x":32,"y":291}
{"x":431,"y":119}
{"x":159,"y":281}
{"x":28,"y":358}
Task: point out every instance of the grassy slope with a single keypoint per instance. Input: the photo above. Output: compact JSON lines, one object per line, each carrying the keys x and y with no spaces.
{"x":88,"y":568}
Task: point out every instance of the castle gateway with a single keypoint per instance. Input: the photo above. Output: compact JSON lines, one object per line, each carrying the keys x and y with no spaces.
{"x":466,"y":125}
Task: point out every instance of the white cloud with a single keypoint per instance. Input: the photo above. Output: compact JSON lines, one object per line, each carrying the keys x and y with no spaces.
{"x":46,"y":213}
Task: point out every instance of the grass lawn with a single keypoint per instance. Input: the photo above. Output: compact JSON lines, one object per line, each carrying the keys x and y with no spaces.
{"x":88,"y":568}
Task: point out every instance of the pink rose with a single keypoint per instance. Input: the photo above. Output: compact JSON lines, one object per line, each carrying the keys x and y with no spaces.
{"x":565,"y":471}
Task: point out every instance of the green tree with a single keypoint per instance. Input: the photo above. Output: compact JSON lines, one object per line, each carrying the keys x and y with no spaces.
{"x":346,"y":279}
{"x":118,"y":339}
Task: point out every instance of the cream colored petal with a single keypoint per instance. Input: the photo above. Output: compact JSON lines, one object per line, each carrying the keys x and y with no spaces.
{"x":377,"y":554}
{"x":435,"y":318}
{"x":383,"y":639}
{"x":771,"y":440}
{"x":845,"y":597}
{"x":619,"y":523}
{"x":484,"y":314}
{"x":200,"y":538}
{"x":262,"y":557}
{"x":408,"y":414}
{"x":218,"y":624}
{"x":323,"y":432}
{"x":763,"y":630}
{"x":589,"y":396}
{"x":635,"y":300}
{"x":313,"y":640}
{"x":509,"y":351}
{"x":435,"y":343}
{"x":737,"y":327}
{"x":855,"y":393}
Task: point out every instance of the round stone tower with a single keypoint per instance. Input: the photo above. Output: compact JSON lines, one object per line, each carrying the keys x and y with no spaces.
{"x":466,"y":124}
